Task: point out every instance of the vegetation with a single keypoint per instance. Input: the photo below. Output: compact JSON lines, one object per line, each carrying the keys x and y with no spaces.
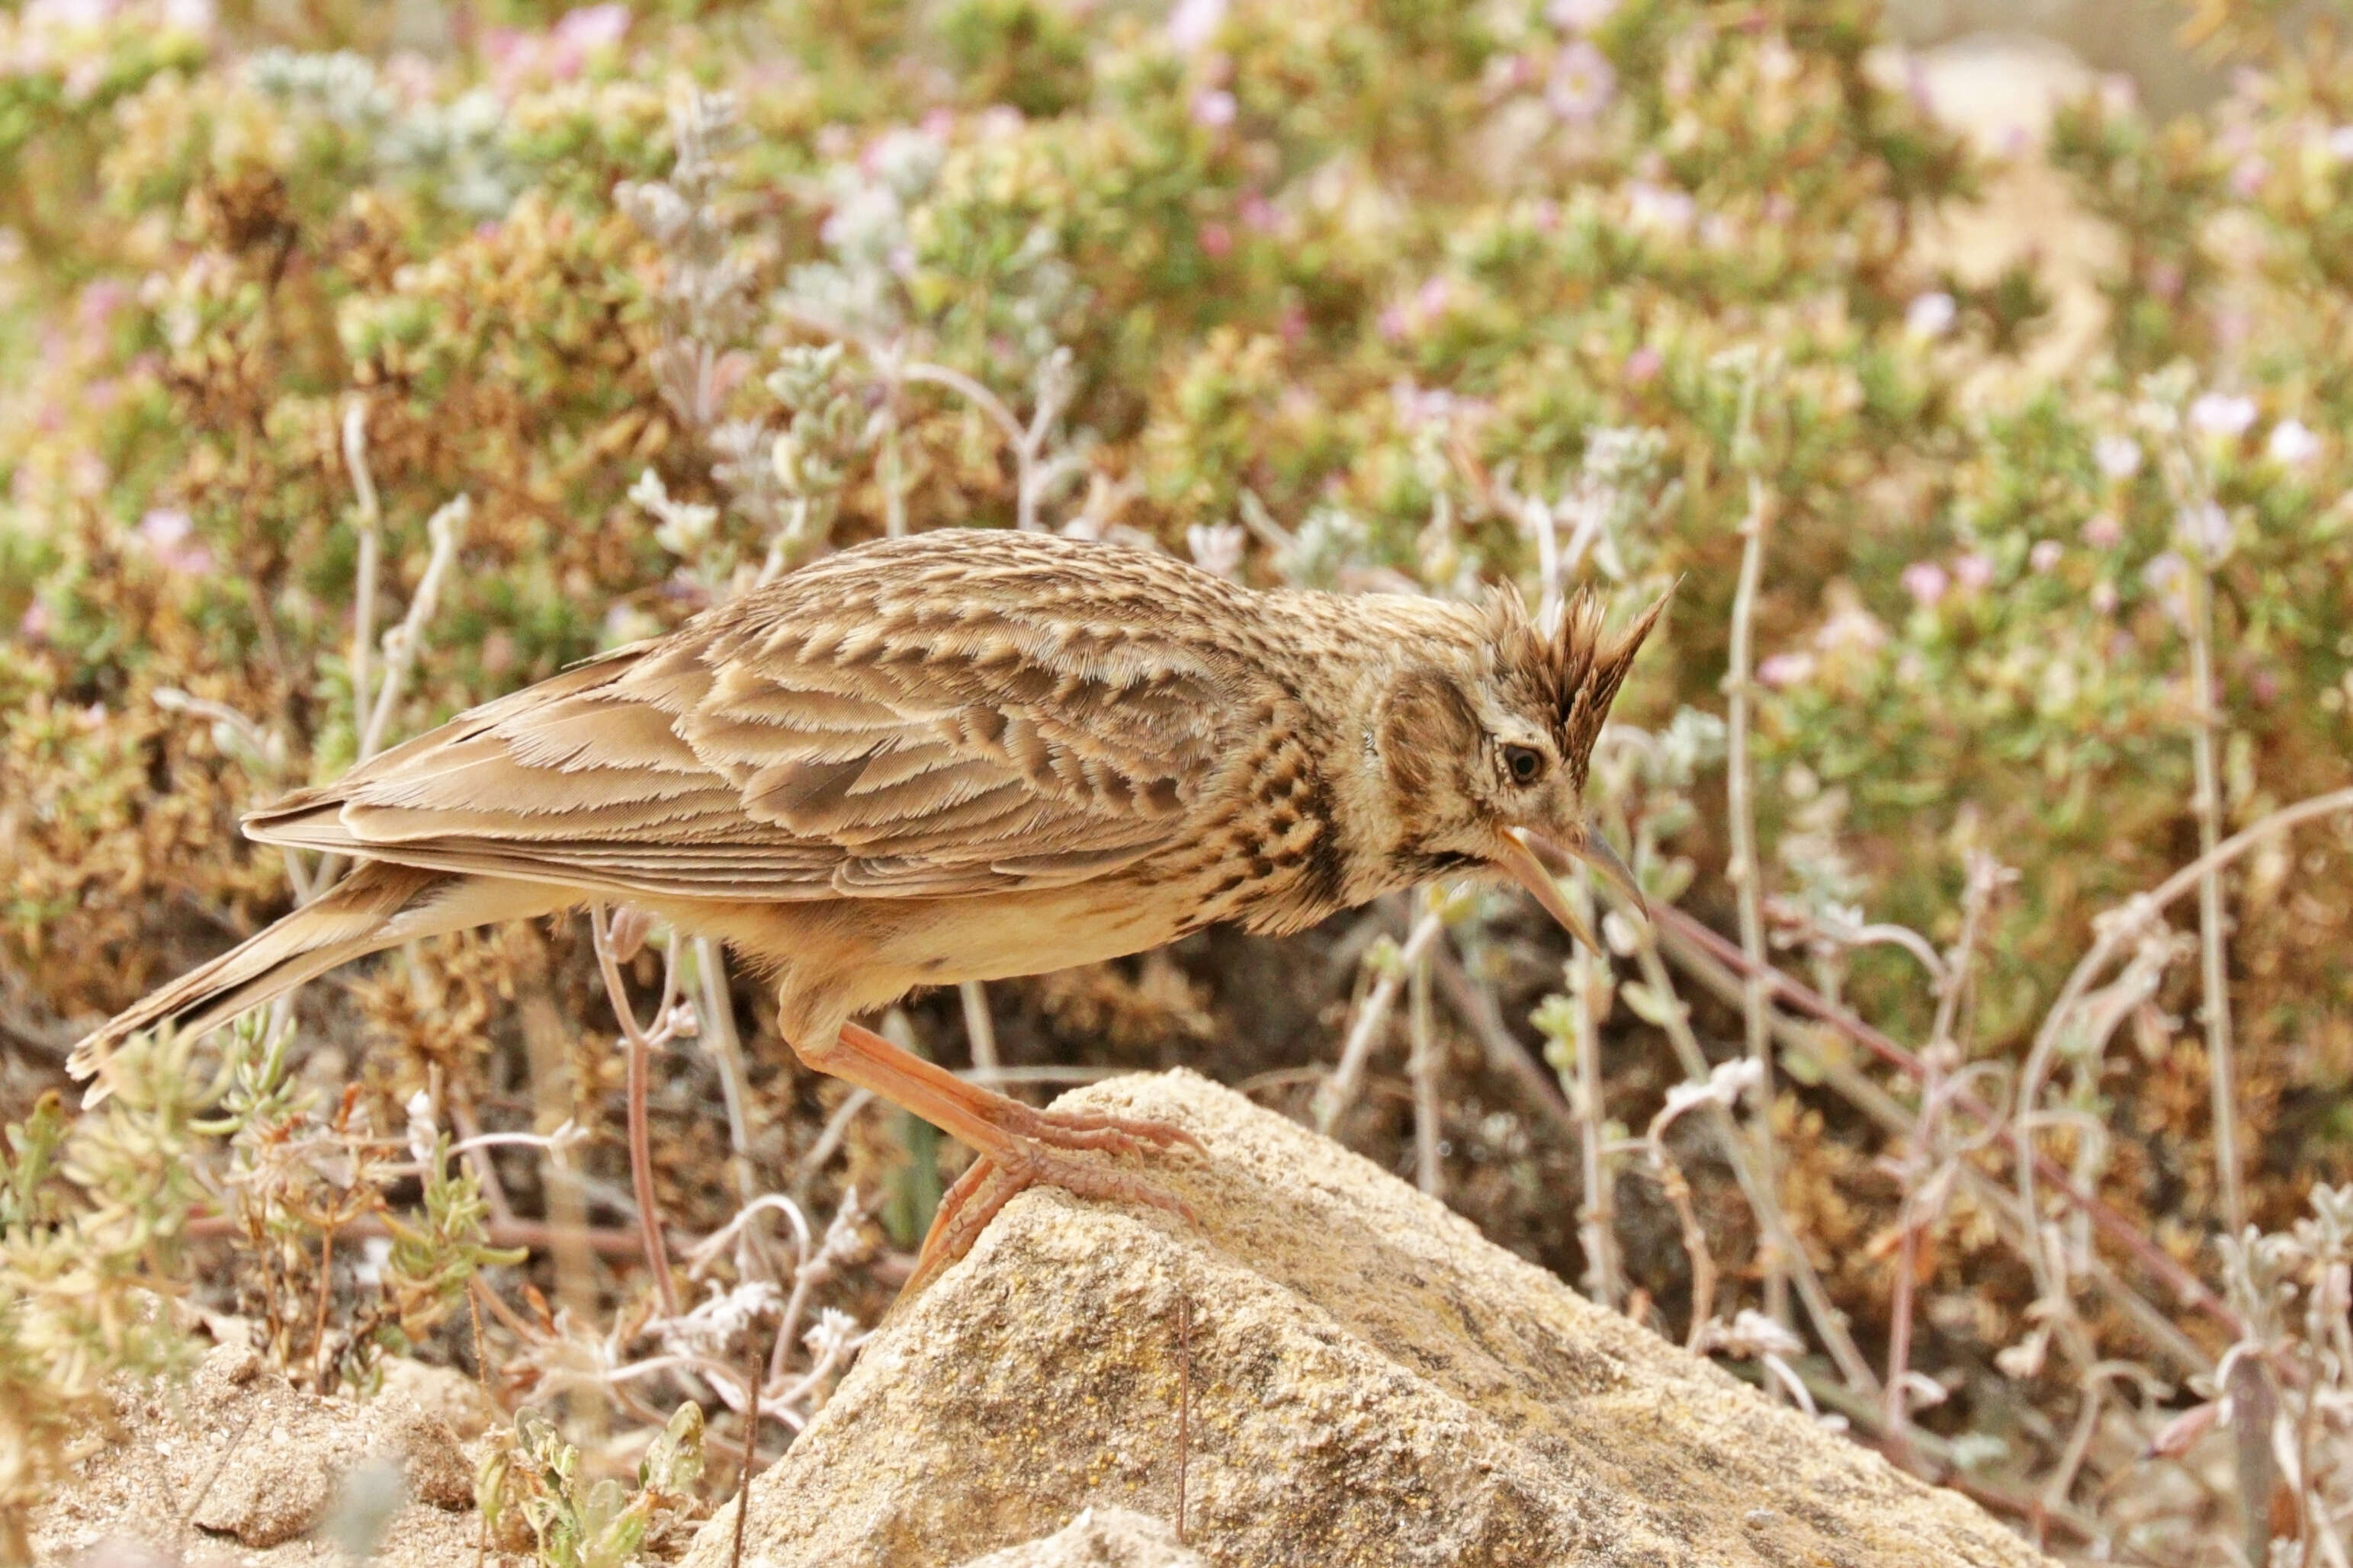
{"x":354,"y":370}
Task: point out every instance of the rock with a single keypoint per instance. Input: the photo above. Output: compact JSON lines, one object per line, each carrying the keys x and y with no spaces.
{"x":445,"y":1393}
{"x":1101,"y":1537}
{"x":1371,"y":1382}
{"x":238,"y":1455}
{"x":279,"y":1456}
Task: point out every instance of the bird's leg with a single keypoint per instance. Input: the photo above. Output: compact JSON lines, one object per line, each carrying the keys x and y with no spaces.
{"x":1020,"y":1146}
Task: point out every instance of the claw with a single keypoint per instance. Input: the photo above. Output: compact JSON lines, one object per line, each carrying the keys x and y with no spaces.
{"x":1043,"y":1152}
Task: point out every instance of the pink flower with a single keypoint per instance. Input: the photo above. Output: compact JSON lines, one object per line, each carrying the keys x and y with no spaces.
{"x":593,"y":28}
{"x":1786,"y":669}
{"x":2206,"y":529}
{"x":2117,"y":457}
{"x":2103,"y":531}
{"x":1849,"y":628}
{"x":70,"y":13}
{"x":1430,"y":299}
{"x":100,"y":300}
{"x":2292,"y":444}
{"x":1925,"y":582}
{"x":2045,"y":554}
{"x":1974,"y":571}
{"x":1661,"y":209}
{"x":1257,"y":213}
{"x":1214,"y":107}
{"x":171,"y":537}
{"x":33,"y":625}
{"x":2167,"y":576}
{"x":1643,"y":364}
{"x":1582,"y":83}
{"x":1508,"y":74}
{"x":2226,"y":418}
{"x":1193,"y":23}
{"x":1578,"y":15}
{"x":2103,"y":597}
{"x":1216,"y":240}
{"x":1931,"y":315}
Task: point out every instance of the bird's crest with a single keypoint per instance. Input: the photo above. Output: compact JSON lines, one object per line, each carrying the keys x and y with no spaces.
{"x":1578,"y":670}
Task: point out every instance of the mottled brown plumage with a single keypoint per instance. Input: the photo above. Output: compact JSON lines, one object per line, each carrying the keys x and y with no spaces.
{"x":963,"y":756}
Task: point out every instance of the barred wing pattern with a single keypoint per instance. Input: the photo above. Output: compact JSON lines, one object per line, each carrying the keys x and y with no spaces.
{"x":953,"y":713}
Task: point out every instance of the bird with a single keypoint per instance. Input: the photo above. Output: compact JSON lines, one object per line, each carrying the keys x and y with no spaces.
{"x":967,"y":754}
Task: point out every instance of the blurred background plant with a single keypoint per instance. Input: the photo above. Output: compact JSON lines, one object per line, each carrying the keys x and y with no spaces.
{"x":361,"y":364}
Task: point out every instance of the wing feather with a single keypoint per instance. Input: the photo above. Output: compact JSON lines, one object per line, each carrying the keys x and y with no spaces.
{"x":944,"y":715}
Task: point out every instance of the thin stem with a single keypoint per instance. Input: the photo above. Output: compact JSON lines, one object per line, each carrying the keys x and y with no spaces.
{"x":370,"y":530}
{"x":2115,"y":929}
{"x":1829,"y":1323}
{"x":1914,"y":1217}
{"x":641,"y":1177}
{"x":319,"y":1329}
{"x":1426,"y":1070}
{"x":979,"y":1029}
{"x":1474,"y":1002}
{"x":1747,"y":874}
{"x":1688,"y":939}
{"x":891,"y":468}
{"x":750,"y":1450}
{"x":726,"y":1048}
{"x":972,"y":391}
{"x":1597,"y":1217}
{"x":1899,"y":1338}
{"x":1339,"y":1091}
{"x":2211,"y":935}
{"x":447,"y":529}
{"x":2121,"y":925}
{"x":640,"y":1049}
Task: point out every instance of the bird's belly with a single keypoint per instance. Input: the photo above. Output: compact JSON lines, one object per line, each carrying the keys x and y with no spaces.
{"x":995,"y":937}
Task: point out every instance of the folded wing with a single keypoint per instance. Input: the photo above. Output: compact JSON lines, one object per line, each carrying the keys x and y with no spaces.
{"x":923,"y":718}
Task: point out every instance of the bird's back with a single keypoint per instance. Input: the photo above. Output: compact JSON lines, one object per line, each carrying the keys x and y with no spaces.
{"x":951,"y":714}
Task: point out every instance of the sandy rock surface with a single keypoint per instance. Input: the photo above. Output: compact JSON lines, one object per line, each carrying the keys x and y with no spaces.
{"x":1371,"y":1382}
{"x":236,"y":1466}
{"x":1101,"y":1537}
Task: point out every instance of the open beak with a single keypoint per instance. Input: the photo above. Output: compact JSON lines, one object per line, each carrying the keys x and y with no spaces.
{"x":1518,"y":856}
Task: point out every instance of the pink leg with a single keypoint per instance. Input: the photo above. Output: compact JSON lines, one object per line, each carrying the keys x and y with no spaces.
{"x":1020,"y":1146}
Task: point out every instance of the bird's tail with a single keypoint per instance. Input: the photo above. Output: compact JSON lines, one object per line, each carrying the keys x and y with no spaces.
{"x":360,"y":915}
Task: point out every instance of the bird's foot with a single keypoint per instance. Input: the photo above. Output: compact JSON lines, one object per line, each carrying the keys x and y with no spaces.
{"x":1040,"y":1153}
{"x":1102,"y":1129}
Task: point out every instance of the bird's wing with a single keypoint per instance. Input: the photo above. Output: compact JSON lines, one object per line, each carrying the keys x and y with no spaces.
{"x":886,"y":724}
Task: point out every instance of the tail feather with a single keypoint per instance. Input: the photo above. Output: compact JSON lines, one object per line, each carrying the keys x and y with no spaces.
{"x":355,"y":918}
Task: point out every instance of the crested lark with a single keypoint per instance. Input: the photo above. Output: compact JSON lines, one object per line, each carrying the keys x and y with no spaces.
{"x":963,"y":756}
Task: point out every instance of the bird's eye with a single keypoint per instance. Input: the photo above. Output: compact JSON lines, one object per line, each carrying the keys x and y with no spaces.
{"x":1526,"y":763}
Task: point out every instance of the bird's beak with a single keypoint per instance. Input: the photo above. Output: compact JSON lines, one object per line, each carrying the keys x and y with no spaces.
{"x":1604,"y":860}
{"x":1518,"y":856}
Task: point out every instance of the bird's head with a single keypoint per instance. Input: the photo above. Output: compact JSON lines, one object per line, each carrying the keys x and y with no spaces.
{"x":1486,"y":750}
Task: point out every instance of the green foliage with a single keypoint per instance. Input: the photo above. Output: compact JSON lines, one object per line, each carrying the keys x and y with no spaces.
{"x":533,"y":1477}
{"x":432,"y":1260}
